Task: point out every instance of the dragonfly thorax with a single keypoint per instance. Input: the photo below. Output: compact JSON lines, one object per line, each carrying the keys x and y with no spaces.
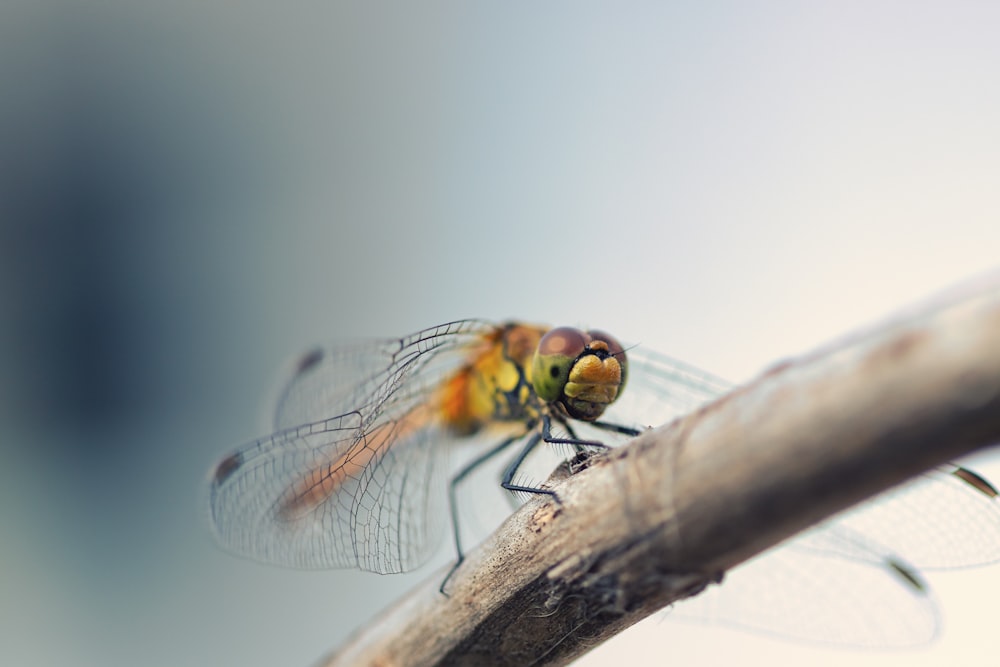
{"x":494,"y":385}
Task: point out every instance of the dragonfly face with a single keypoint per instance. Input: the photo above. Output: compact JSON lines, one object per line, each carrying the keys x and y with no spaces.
{"x":582,"y":371}
{"x":354,"y":473}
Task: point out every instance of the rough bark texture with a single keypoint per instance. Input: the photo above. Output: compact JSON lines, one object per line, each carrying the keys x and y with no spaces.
{"x":662,"y":517}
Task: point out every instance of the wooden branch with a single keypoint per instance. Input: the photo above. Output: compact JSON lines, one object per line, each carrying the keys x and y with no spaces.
{"x":662,"y":517}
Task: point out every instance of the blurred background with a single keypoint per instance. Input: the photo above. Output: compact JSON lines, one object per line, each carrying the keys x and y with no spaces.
{"x":192,"y":193}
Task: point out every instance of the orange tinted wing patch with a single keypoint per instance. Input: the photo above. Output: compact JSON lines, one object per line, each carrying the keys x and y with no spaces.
{"x":323,"y":482}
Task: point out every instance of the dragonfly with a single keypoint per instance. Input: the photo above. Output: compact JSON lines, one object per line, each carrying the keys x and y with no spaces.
{"x":355,"y":475}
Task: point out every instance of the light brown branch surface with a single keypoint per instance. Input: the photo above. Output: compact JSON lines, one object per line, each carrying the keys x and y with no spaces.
{"x":665,"y":515}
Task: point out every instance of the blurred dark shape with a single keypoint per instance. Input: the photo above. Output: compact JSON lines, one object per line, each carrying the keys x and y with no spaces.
{"x":116,"y":147}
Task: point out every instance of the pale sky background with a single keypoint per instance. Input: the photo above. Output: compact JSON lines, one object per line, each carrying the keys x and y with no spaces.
{"x":197,"y":191}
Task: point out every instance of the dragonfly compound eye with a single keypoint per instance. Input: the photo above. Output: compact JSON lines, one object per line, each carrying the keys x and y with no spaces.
{"x":554,"y":358}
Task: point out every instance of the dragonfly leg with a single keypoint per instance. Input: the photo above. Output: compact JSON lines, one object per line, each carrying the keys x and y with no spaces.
{"x":616,"y":428}
{"x":577,"y":447}
{"x":453,"y":499}
{"x":581,"y":445}
{"x":584,"y":448}
{"x":508,"y":477}
{"x":576,"y":442}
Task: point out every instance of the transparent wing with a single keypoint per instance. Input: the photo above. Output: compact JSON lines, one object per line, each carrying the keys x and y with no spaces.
{"x":338,"y":378}
{"x":817,"y":597}
{"x":659,"y":389}
{"x":318,"y":497}
{"x":353,"y":477}
{"x":941,"y":520}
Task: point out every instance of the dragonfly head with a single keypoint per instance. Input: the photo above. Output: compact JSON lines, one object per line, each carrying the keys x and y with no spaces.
{"x":585,"y":371}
